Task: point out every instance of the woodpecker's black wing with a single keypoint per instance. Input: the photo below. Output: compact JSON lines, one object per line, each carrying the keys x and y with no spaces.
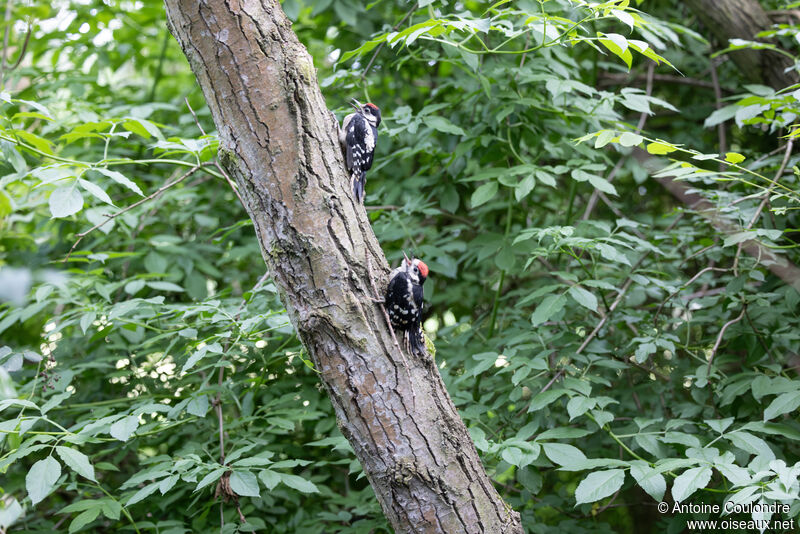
{"x":355,"y":134}
{"x":401,"y":309}
{"x":417,"y":292}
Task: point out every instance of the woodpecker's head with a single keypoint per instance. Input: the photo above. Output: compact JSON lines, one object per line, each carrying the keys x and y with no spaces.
{"x":416,"y":269}
{"x":370,"y":111}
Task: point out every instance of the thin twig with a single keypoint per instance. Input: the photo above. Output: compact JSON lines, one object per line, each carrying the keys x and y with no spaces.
{"x":723,"y":143}
{"x":622,"y":292}
{"x":613,"y":498}
{"x":552,"y":380}
{"x":722,"y":333}
{"x":758,"y":335}
{"x":618,"y":213}
{"x":648,"y":92}
{"x":230,"y":183}
{"x":217,"y":402}
{"x":384,"y":208}
{"x":196,"y":121}
{"x":763,"y":203}
{"x":163,"y":188}
{"x":24,"y":49}
{"x":608,"y":78}
{"x":380,"y":46}
{"x":684,"y":286}
{"x":703,"y":293}
{"x":6,"y":26}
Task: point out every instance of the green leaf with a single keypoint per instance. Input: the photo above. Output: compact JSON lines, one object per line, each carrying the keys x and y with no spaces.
{"x":643,"y":351}
{"x":65,"y":201}
{"x":630,"y":139}
{"x":604,"y":137}
{"x":583,"y":297}
{"x":41,"y":478}
{"x":545,"y":398}
{"x":562,"y":454}
{"x":214,"y":348}
{"x":245,"y":484}
{"x":198,"y":405}
{"x":599,"y":485}
{"x":618,"y":45}
{"x":143,"y":493}
{"x":524,"y":187}
{"x":551,"y":305}
{"x":719,"y":425}
{"x":690,"y":481}
{"x":270,"y":479}
{"x":84,"y":518}
{"x":734,"y":157}
{"x":77,"y":461}
{"x":750,"y":443}
{"x":612,"y":254}
{"x":143,"y":128}
{"x":22,"y":403}
{"x":484,"y":194}
{"x":784,"y":403}
{"x":441,"y":124}
{"x":624,"y":17}
{"x":167,"y":483}
{"x":649,"y":479}
{"x":299,"y":483}
{"x":11,"y":154}
{"x":211,"y":477}
{"x":660,"y":148}
{"x":579,"y":405}
{"x":721,"y":115}
{"x":512,"y":455}
{"x":95,"y":191}
{"x":120,"y":179}
{"x":602,"y":184}
{"x":124,"y":428}
{"x":563,"y":433}
{"x":165,"y":286}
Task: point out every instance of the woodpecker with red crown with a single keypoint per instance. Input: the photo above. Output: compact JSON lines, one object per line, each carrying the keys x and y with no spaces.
{"x":358,"y":135}
{"x":404,"y":302}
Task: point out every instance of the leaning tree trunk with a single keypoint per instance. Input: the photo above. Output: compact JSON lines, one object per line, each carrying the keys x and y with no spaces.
{"x":279,"y":142}
{"x":743,"y":19}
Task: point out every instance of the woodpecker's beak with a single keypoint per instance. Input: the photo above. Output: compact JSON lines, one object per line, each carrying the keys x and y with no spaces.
{"x":356,"y":104}
{"x":406,"y":257}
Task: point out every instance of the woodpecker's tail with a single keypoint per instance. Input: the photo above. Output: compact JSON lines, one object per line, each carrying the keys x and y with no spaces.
{"x":416,"y":341}
{"x":359,"y":182}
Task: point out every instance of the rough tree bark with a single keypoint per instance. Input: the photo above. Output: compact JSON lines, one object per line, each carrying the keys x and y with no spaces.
{"x":278,"y":140}
{"x":743,"y":19}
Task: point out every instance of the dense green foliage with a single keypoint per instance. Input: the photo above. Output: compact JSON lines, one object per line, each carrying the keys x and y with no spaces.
{"x":602,"y":358}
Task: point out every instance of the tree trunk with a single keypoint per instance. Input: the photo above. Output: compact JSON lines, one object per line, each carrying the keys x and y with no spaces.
{"x":279,"y":142}
{"x":743,"y":19}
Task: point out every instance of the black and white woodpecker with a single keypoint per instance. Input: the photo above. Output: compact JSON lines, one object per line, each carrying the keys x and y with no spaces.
{"x":358,"y":135}
{"x":404,"y":302}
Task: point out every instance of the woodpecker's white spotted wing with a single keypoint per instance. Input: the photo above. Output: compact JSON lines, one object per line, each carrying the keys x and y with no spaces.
{"x":404,"y":305}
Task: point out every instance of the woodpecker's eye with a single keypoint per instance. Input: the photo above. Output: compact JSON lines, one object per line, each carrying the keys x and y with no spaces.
{"x":416,"y":270}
